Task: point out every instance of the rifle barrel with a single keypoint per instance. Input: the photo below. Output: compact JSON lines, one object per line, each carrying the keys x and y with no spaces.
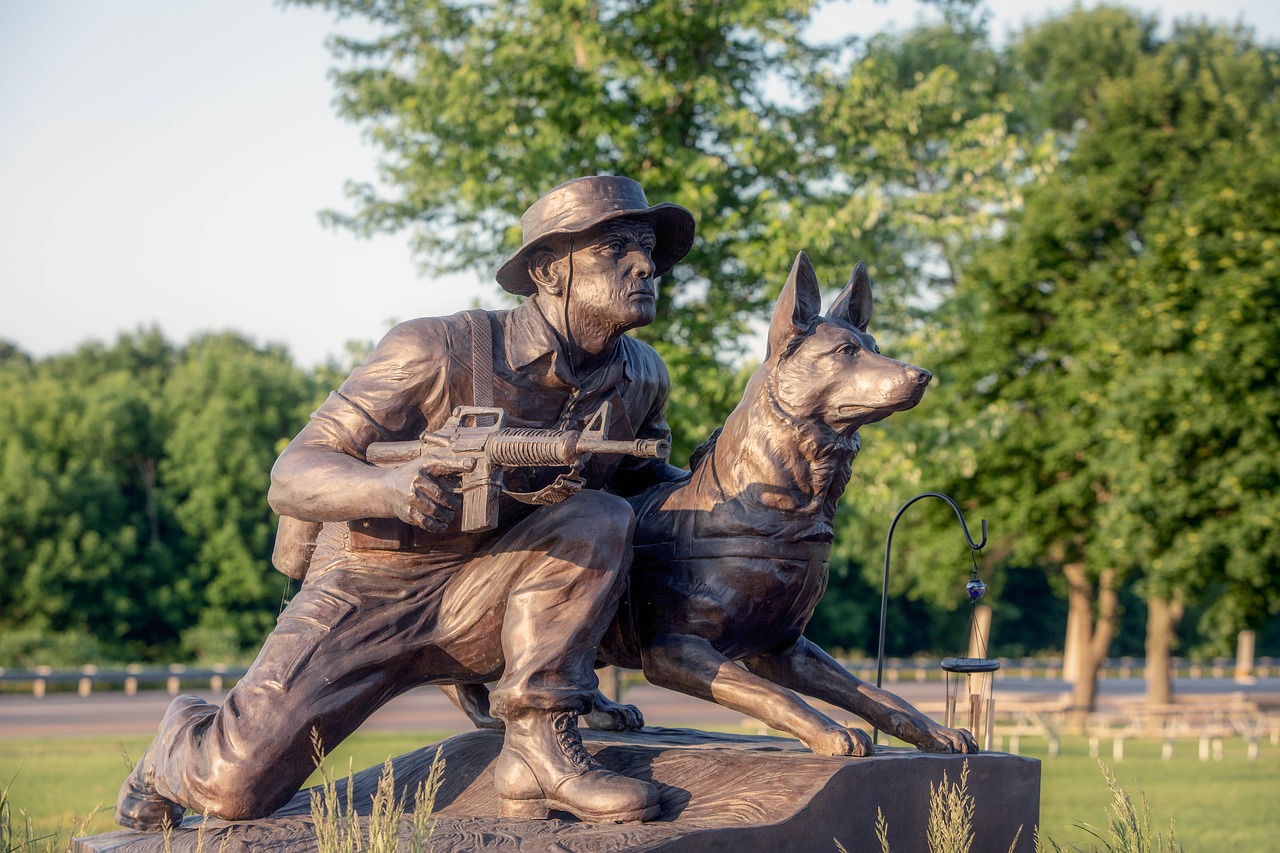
{"x":646,"y":448}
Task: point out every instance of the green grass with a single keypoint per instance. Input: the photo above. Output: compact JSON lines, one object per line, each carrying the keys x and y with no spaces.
{"x":61,"y":780}
{"x":1218,"y":805}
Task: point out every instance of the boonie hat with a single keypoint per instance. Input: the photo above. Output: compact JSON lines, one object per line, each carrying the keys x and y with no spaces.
{"x":583,"y":203}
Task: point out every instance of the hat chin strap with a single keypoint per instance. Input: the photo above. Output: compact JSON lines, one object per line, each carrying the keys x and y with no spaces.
{"x":568,"y":330}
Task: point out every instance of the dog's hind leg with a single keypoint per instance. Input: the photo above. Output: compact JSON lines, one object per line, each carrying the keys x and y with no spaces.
{"x":692,"y":665}
{"x":808,"y":669}
{"x":610,"y":716}
{"x":472,"y":700}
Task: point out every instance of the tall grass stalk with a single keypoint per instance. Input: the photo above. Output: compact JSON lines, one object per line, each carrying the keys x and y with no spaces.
{"x":882,"y":831}
{"x":950,"y":825}
{"x":26,"y":840}
{"x":337,"y":826}
{"x":424,"y":822}
{"x":1129,"y":825}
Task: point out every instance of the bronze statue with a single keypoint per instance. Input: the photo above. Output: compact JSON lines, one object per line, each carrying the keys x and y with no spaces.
{"x":397,"y":594}
{"x":730,"y":565}
{"x":528,"y":585}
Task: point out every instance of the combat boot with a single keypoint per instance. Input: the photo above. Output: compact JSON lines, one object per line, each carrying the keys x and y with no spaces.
{"x":543,"y":766}
{"x":139,"y":806}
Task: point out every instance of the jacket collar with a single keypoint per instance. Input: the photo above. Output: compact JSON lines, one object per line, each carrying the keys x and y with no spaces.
{"x":532,"y":346}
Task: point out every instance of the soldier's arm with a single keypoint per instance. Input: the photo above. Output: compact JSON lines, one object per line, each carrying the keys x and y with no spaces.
{"x":322,"y":475}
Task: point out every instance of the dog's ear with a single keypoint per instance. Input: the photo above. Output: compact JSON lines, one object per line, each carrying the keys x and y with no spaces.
{"x":798,"y":305}
{"x":853,"y":305}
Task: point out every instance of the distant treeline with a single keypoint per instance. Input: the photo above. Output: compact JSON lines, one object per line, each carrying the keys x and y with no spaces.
{"x":133,"y":484}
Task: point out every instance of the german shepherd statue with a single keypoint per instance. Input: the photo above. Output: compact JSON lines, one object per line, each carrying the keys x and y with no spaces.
{"x":730,"y":564}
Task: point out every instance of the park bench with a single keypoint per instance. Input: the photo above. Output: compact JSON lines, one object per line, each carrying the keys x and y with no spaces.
{"x":1209,"y":722}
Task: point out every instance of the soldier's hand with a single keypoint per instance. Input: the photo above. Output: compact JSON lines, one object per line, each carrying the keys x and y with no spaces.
{"x":423,"y":492}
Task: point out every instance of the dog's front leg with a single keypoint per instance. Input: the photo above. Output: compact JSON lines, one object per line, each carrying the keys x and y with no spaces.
{"x":692,"y":665}
{"x":808,"y":669}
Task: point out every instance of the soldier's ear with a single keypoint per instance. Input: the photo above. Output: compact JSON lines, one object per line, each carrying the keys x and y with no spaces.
{"x":545,"y":271}
{"x":853,"y":305}
{"x":798,"y":305}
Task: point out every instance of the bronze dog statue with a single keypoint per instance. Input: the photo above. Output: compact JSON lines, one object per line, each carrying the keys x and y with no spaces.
{"x":730,"y":565}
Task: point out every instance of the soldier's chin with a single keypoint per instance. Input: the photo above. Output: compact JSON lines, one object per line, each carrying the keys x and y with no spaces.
{"x":639,"y":312}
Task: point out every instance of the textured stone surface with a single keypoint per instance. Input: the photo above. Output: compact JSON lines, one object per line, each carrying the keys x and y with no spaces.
{"x":719,"y":792}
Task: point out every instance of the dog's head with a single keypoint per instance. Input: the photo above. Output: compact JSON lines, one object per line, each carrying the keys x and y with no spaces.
{"x":827,"y":369}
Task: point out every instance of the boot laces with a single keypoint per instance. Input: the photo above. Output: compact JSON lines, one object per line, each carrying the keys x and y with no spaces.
{"x":570,"y":742}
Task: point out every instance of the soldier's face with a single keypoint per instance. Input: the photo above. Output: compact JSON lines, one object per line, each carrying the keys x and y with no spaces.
{"x":613,"y":283}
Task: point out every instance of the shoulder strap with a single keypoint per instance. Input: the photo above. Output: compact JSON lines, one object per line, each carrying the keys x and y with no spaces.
{"x":481,"y":359}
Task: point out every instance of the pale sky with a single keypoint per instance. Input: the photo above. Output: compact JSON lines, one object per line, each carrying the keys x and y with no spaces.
{"x":163,"y":161}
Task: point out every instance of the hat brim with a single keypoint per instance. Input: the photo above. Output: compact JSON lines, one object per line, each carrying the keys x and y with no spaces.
{"x":673,"y":229}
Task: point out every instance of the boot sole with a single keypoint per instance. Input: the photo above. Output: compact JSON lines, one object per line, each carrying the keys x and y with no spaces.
{"x":541,"y":810}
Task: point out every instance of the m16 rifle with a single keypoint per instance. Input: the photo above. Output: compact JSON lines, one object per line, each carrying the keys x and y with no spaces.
{"x":475,"y":441}
{"x":478,"y":433}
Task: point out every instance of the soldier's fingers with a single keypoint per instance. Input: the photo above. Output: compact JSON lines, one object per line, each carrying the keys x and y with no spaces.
{"x":431,"y":492}
{"x":421,"y":519}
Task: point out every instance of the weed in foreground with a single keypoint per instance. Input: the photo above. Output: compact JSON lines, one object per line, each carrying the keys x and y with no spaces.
{"x":949,"y":827}
{"x":337,"y":826}
{"x":26,"y":840}
{"x":1128,"y":825}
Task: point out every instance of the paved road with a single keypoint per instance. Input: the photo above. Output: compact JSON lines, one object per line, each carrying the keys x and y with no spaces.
{"x":427,"y":709}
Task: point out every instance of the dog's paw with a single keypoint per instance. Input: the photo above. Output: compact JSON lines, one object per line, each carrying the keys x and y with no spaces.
{"x":840,"y":741}
{"x":610,"y":716}
{"x":943,"y":739}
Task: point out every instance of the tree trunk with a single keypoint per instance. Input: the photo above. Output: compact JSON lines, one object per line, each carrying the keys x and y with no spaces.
{"x":1163,"y":617}
{"x":1088,"y":638}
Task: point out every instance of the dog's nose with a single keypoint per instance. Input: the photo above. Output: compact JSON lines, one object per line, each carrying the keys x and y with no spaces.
{"x":919,"y":375}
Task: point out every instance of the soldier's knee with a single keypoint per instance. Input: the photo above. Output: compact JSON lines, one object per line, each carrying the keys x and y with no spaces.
{"x":246,"y":790}
{"x":603,"y":518}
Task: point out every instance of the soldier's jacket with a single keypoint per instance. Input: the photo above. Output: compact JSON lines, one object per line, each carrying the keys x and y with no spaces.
{"x":421,"y":371}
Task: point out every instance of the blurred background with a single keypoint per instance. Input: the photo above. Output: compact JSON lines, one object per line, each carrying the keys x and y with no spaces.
{"x":210,"y":211}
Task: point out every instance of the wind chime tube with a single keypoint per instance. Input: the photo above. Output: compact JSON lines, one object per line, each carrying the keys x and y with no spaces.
{"x":991,"y":722}
{"x":951,"y":702}
{"x":975,"y":712}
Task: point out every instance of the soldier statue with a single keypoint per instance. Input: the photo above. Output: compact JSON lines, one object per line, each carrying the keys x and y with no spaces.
{"x":398,"y":592}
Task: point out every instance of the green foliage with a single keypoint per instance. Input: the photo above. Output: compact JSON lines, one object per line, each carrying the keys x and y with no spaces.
{"x":133,"y":497}
{"x":1106,"y":389}
{"x":477,"y":109}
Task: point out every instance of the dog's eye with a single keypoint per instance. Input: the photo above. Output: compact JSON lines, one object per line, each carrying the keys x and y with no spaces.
{"x":849,"y":349}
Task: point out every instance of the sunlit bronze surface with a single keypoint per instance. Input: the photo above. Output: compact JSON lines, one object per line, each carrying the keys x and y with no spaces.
{"x":528,"y":588}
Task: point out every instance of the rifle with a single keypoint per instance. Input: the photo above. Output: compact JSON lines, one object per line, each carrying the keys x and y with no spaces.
{"x":477,"y":432}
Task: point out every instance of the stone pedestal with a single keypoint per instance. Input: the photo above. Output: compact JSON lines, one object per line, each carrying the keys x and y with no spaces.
{"x":719,"y":792}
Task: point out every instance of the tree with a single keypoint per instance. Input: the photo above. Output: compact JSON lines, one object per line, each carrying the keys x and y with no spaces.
{"x":85,"y":552}
{"x":1093,"y":356}
{"x":930,"y":155}
{"x":479,"y":108}
{"x":133,"y":497}
{"x":229,"y":409}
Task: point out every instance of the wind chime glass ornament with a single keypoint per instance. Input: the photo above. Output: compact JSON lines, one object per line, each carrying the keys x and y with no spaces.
{"x":970,"y":698}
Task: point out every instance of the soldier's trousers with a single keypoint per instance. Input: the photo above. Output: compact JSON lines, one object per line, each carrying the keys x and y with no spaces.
{"x":528,"y":610}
